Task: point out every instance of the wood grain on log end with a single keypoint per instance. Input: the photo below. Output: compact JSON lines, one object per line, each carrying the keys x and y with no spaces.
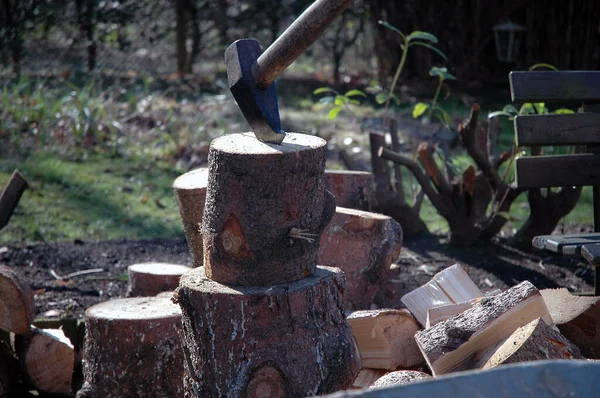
{"x":363,"y":245}
{"x":190,"y":191}
{"x":17,"y":308}
{"x":236,"y":335}
{"x":266,"y":206}
{"x":399,"y":377}
{"x":133,"y":348}
{"x":149,"y":279}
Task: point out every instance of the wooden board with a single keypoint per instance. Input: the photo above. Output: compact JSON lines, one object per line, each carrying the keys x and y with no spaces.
{"x":575,"y":129}
{"x":591,"y":252}
{"x":540,"y":379}
{"x":557,"y":171}
{"x":565,"y":244}
{"x":555,"y":86}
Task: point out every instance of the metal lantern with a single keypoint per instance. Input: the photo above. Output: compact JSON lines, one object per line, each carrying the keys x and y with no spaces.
{"x":508,"y":38}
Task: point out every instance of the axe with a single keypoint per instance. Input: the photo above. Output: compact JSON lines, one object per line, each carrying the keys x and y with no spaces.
{"x":251,"y":72}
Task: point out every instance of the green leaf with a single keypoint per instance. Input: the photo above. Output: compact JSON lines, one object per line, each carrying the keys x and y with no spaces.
{"x":340,"y":100}
{"x":392,"y":27}
{"x":527,"y":109}
{"x":510,"y":109}
{"x":381,"y":98}
{"x":563,"y":111}
{"x":446,"y":118}
{"x":354,"y":101}
{"x":334,"y":112}
{"x":422,"y":36}
{"x":354,"y":93}
{"x":540,"y":108}
{"x":543,"y":65}
{"x":441,"y":72}
{"x":419,"y":109}
{"x":420,"y":43}
{"x":503,"y":214}
{"x":499,"y":113}
{"x":327,"y":100}
{"x":322,"y":90}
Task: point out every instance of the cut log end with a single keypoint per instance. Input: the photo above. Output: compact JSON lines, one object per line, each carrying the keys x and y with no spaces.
{"x":247,"y":144}
{"x":17,"y":307}
{"x":149,"y":279}
{"x":399,"y":377}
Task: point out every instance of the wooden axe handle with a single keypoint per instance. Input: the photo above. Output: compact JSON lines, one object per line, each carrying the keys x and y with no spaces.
{"x":295,"y":40}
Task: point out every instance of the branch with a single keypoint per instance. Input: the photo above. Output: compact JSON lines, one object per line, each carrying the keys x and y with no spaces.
{"x":432,"y":169}
{"x":423,"y":180}
{"x":11,"y":196}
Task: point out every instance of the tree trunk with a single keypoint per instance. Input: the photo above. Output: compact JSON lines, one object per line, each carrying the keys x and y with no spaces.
{"x":266,"y":207}
{"x":181,"y":23}
{"x":288,"y":340}
{"x":190,"y":192}
{"x":133,"y":349}
{"x":149,"y":279}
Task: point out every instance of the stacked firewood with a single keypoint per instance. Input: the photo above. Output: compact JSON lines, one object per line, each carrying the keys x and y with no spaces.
{"x":450,"y":325}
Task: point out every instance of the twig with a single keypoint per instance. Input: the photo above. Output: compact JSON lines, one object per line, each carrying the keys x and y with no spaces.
{"x":74,"y":274}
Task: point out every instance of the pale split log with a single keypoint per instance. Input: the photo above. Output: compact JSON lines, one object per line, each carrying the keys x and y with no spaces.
{"x":366,"y":377}
{"x":398,"y":378}
{"x":47,"y":358}
{"x":133,"y":349}
{"x":17,"y":308}
{"x":190,"y":192}
{"x":149,"y":279}
{"x":533,"y":342}
{"x":577,"y":318}
{"x":352,"y":189}
{"x":539,"y":379}
{"x":454,"y":345}
{"x":291,"y":339}
{"x":386,"y":339}
{"x":266,"y":206}
{"x":449,"y":286}
{"x":441,"y":313}
{"x":363,"y":245}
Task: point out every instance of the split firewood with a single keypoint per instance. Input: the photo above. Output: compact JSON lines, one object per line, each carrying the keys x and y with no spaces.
{"x":149,"y":279}
{"x":440,"y":313}
{"x":363,"y":245}
{"x":352,"y":189}
{"x":450,"y":286}
{"x":385,"y":338}
{"x":366,"y":377}
{"x":532,"y":342}
{"x":455,"y":344}
{"x":17,"y":308}
{"x":577,"y":318}
{"x":190,"y":191}
{"x":47,"y":358}
{"x":399,"y":377}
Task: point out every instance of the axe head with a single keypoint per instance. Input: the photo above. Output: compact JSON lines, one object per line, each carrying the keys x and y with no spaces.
{"x":258,"y":106}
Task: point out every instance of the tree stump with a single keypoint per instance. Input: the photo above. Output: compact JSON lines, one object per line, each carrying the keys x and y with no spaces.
{"x":288,"y":340}
{"x":190,"y":191}
{"x":149,"y":279}
{"x":363,"y":245}
{"x":266,"y":206}
{"x":133,"y":349}
{"x":352,"y":189}
{"x":17,"y":308}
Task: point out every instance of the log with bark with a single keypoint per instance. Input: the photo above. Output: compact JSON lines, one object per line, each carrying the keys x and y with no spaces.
{"x":533,"y":342}
{"x":47,"y":358}
{"x":386,"y":338}
{"x":133,"y":349}
{"x":577,"y":318}
{"x":10,"y":197}
{"x":449,"y":286}
{"x":352,"y":189}
{"x":363,"y":245}
{"x":455,"y":344}
{"x":149,"y":279}
{"x":17,"y":308}
{"x":190,"y":192}
{"x":266,"y":207}
{"x":290,"y":340}
{"x":398,"y":378}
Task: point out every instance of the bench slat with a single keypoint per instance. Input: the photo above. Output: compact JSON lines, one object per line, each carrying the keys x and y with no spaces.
{"x":557,"y":171}
{"x":532,"y":86}
{"x":575,"y":129}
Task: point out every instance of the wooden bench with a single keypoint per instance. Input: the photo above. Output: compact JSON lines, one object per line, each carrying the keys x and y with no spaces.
{"x":581,"y":169}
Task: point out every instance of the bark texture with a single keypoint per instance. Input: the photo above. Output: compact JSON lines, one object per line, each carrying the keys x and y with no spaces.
{"x":266,"y":206}
{"x":150,"y":279}
{"x":398,"y":378}
{"x":133,"y":349}
{"x":352,"y":189}
{"x":289,"y":340}
{"x":190,"y":191}
{"x":363,"y":245}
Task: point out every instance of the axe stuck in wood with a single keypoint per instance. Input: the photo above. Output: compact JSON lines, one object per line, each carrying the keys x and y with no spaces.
{"x":251,"y":72}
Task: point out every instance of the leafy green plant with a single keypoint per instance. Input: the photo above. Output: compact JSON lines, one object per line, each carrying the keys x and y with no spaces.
{"x":339,"y":101}
{"x":433,"y":109}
